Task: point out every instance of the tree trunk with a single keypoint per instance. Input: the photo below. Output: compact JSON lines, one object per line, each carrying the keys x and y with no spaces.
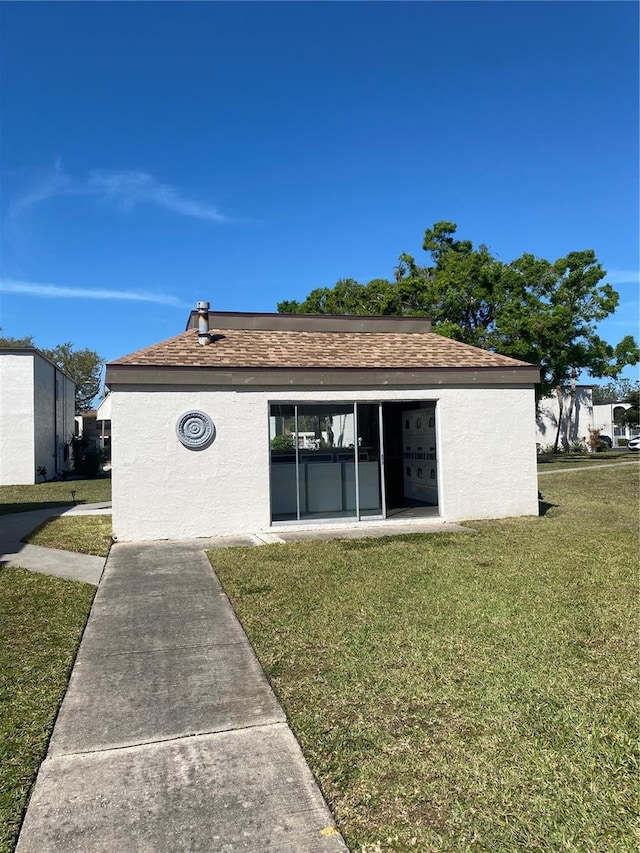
{"x":566,"y":439}
{"x":560,"y":397}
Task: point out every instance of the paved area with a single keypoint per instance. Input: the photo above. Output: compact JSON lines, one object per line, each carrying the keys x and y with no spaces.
{"x":169,"y":737}
{"x":49,"y":561}
{"x":370,"y":531}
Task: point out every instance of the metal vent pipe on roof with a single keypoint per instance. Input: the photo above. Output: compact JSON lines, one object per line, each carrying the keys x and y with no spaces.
{"x":203,"y":323}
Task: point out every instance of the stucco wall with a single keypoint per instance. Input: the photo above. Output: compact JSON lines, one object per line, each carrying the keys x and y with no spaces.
{"x":548,"y":413}
{"x":65,"y":419}
{"x":17,"y":458}
{"x":54,"y":416}
{"x":604,"y":420}
{"x":34,"y":425}
{"x":486,"y":450}
{"x":44,"y":414}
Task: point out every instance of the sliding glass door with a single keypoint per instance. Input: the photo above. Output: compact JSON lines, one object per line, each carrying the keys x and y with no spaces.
{"x":284,"y":463}
{"x":370,"y":472}
{"x":326,"y":461}
{"x":326,"y":436}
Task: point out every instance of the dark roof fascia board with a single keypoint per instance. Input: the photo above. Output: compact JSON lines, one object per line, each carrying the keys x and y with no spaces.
{"x":311,"y":322}
{"x":35,"y":351}
{"x":134,"y":374}
{"x":21,"y":351}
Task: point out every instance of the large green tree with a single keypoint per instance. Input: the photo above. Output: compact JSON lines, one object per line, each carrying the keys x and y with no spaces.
{"x":84,"y":366}
{"x":533,"y":309}
{"x":27,"y":341}
{"x":615,"y":391}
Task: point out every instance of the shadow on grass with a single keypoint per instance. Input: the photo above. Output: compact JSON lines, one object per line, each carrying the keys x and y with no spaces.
{"x":544,"y":507}
{"x":590,"y":458}
{"x":9,"y":509}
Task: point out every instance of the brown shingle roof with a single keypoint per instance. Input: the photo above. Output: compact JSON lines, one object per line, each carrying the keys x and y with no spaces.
{"x":282,"y":349}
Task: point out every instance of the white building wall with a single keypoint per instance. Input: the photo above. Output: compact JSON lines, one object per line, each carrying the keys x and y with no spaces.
{"x":604,"y":420}
{"x":34,"y":424}
{"x":548,"y":413}
{"x":486,"y":438}
{"x":17,"y":456}
{"x":487,"y":468}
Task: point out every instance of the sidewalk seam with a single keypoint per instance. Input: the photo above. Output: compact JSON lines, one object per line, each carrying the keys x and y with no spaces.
{"x":124,"y":652}
{"x":173,"y":739}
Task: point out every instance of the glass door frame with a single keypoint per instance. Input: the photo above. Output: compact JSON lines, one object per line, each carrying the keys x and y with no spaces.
{"x":358,"y":513}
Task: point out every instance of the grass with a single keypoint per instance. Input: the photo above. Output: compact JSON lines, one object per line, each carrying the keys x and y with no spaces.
{"x":87,"y":534}
{"x":41,"y":620}
{"x":564,"y":459}
{"x":463,"y":692}
{"x":43,"y":495}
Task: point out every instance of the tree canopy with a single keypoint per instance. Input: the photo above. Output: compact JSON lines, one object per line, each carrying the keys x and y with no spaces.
{"x":615,"y":392}
{"x":84,"y":366}
{"x":540,"y":311}
{"x":27,"y":341}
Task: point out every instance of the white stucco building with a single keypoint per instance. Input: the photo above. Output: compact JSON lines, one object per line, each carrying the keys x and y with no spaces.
{"x":37,"y":407}
{"x":581,"y":419}
{"x":605,"y":416}
{"x":257,"y":422}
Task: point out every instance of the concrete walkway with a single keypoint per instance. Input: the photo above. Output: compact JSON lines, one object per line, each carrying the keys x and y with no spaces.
{"x":169,"y":737}
{"x":48,"y":561}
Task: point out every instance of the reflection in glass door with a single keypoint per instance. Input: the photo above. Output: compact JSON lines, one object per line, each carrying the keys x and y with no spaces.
{"x":284,"y":463}
{"x":326,"y":440}
{"x":369,"y":466}
{"x":322,"y":466}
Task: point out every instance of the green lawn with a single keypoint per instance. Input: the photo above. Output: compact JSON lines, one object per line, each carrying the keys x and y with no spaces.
{"x":41,"y":620}
{"x":460,"y":692}
{"x":87,"y":534}
{"x":42,"y":495}
{"x":570,"y":459}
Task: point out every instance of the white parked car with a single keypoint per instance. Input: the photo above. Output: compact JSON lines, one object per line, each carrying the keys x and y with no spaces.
{"x":634,"y":443}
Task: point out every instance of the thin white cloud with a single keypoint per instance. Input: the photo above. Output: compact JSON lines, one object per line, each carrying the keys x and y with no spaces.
{"x":57,"y":184}
{"x":126,"y":189}
{"x":623,"y":277}
{"x":57,"y":291}
{"x":133,"y":188}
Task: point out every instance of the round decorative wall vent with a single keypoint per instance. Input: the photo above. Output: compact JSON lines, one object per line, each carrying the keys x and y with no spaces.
{"x":195,"y":430}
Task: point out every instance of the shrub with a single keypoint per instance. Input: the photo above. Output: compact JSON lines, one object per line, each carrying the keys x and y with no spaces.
{"x":578,"y":446}
{"x":282,"y":442}
{"x":86,"y":456}
{"x":546,"y":449}
{"x":594,"y":443}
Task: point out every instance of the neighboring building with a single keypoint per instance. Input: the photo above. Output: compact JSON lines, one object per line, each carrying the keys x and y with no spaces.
{"x":258,"y":429}
{"x":37,"y":404}
{"x":87,"y":427}
{"x":605,"y":416}
{"x":548,"y":414}
{"x":103,"y":425}
{"x":95,"y":425}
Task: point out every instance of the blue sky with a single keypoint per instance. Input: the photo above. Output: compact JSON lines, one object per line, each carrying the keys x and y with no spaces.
{"x":155,"y":154}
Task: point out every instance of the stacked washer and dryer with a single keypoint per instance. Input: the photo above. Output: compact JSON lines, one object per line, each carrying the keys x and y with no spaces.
{"x":419,"y":455}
